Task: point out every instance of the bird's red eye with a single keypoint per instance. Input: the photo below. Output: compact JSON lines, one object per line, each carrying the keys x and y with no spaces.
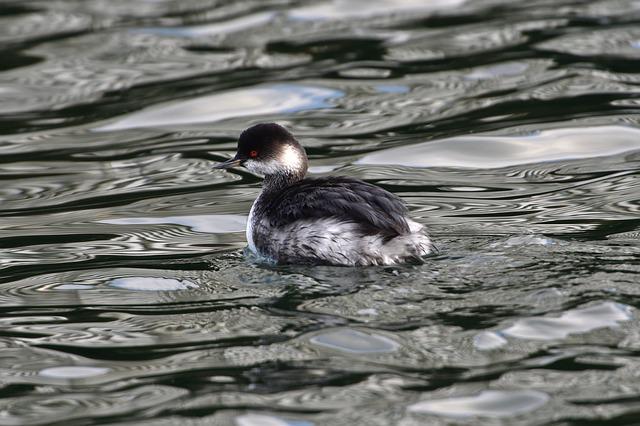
{"x":253,"y":153}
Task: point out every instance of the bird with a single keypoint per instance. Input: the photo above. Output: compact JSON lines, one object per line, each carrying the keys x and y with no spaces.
{"x":332,"y":220}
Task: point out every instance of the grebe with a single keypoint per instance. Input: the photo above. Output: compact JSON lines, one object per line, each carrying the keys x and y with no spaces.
{"x":334,"y":220}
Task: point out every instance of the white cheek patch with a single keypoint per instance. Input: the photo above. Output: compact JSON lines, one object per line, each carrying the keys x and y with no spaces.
{"x":290,"y":157}
{"x":287,"y":160}
{"x":262,"y":167}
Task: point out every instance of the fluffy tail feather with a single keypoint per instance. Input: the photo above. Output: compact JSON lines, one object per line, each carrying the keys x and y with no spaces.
{"x":409,"y":247}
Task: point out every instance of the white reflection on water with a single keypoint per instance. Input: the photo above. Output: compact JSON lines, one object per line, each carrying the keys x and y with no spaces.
{"x":498,"y":70}
{"x":223,"y":27}
{"x":257,"y":100}
{"x":211,"y":224}
{"x":73,"y":287}
{"x":525,"y":240}
{"x":489,"y":403}
{"x":354,"y":341}
{"x":253,"y":419}
{"x":488,"y":340}
{"x":345,"y":9}
{"x":73,"y":372}
{"x":151,"y":284}
{"x":488,"y":152}
{"x":582,"y":320}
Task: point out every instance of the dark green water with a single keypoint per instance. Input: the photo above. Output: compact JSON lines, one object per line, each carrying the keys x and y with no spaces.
{"x":512,"y":130}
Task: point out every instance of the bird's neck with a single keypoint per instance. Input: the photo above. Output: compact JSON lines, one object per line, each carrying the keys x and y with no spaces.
{"x":292,"y":164}
{"x":279,"y":181}
{"x":292,"y":167}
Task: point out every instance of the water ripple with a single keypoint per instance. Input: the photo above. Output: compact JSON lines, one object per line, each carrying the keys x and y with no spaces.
{"x":509,"y":128}
{"x":40,"y":410}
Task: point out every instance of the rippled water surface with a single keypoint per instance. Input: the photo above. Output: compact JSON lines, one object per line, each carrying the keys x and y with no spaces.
{"x":511,"y":128}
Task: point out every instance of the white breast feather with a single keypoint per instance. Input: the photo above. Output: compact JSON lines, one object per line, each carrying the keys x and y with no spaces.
{"x":250,"y":219}
{"x":342,"y":243}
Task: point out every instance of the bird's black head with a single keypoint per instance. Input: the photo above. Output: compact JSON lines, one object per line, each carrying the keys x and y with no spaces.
{"x":263,"y":141}
{"x":269,"y":149}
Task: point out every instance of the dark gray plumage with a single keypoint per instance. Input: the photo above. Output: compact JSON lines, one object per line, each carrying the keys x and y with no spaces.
{"x":351,"y":200}
{"x":333,"y":220}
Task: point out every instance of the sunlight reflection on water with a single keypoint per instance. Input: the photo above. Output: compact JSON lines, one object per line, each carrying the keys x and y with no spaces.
{"x":490,"y":403}
{"x":502,"y":151}
{"x":509,"y":128}
{"x":261,"y":100}
{"x":213,"y":224}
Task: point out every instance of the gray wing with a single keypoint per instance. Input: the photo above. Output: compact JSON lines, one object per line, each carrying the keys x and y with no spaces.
{"x":351,"y":200}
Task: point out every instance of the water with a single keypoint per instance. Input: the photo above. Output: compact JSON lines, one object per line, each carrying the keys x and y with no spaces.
{"x":512,"y":130}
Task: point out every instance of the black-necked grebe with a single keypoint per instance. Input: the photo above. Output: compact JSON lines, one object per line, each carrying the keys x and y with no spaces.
{"x":333,"y":220}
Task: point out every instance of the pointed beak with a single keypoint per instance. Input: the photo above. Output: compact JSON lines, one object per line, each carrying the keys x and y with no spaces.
{"x":232,"y":162}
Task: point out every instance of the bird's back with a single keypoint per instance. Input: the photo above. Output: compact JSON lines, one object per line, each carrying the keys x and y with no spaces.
{"x":334,"y":220}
